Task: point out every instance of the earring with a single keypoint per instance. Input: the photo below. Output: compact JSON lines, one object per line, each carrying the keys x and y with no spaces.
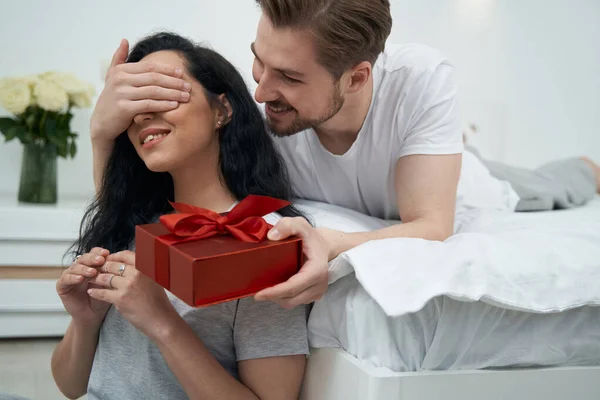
{"x":219,"y":123}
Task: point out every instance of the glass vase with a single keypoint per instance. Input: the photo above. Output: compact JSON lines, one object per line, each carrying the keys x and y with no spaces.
{"x":38,"y":173}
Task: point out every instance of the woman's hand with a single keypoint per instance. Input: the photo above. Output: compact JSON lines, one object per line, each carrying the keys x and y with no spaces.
{"x":72,"y":288}
{"x":131,"y":89}
{"x":138,"y":298}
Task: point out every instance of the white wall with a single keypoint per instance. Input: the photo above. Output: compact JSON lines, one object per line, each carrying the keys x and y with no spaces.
{"x":529,"y":70}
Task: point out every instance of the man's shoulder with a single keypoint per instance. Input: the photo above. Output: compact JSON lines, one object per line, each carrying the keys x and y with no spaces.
{"x":409,"y":69}
{"x":288,"y":146}
{"x":410,"y":56}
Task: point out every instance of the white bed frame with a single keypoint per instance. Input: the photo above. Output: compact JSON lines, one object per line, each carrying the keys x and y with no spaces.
{"x":333,"y":374}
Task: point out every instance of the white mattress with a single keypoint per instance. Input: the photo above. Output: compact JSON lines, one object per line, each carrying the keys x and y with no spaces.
{"x":449,"y":334}
{"x":454,"y":330}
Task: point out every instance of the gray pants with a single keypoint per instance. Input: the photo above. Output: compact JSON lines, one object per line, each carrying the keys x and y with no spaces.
{"x":557,"y":185}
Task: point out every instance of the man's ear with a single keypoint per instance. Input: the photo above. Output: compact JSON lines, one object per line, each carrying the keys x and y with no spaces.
{"x":358,"y":76}
{"x":224,"y":112}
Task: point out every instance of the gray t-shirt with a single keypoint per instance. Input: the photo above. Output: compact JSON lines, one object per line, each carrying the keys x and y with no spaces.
{"x":128,"y":365}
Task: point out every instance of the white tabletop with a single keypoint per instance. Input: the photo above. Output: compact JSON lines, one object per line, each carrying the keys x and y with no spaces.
{"x":21,"y":221}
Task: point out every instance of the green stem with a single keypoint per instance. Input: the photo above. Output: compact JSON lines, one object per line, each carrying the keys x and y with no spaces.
{"x":43,"y":123}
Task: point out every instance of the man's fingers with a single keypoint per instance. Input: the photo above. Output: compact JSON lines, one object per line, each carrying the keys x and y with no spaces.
{"x":157,"y":93}
{"x":308,"y":296}
{"x":120,"y":55}
{"x":156,"y":79}
{"x":150,"y":106}
{"x":142,"y":67}
{"x":288,"y":289}
{"x":287,"y":227}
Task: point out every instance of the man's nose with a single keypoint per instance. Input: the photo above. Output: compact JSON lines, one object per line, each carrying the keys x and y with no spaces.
{"x":265,"y":91}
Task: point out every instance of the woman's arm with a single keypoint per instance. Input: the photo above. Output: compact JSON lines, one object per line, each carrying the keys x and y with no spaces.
{"x":73,"y":357}
{"x":145,"y":305}
{"x":202,"y":377}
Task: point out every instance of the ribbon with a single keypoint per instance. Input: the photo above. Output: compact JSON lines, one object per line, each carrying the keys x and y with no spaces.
{"x":244,"y":221}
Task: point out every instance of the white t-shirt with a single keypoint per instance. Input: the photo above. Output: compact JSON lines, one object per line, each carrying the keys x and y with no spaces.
{"x":414,"y":110}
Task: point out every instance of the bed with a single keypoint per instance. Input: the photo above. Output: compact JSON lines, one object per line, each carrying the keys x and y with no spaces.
{"x":511,"y":314}
{"x":333,"y":374}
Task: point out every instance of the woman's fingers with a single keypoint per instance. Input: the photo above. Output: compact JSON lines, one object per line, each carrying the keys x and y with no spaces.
{"x":99,"y":251}
{"x":90,"y":260}
{"x":72,"y":276}
{"x":84,"y":267}
{"x":67,"y":281}
{"x":83,"y":270}
{"x":109,"y":281}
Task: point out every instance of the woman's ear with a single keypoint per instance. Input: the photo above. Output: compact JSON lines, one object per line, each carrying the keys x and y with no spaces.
{"x":224,"y":112}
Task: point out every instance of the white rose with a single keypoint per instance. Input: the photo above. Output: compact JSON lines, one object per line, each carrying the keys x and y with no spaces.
{"x":80,"y":92}
{"x":15,"y":95}
{"x":83,"y":99}
{"x":50,"y":96}
{"x":68,"y":81}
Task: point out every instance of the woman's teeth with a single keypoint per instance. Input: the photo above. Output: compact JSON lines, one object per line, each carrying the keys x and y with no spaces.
{"x":150,"y":138}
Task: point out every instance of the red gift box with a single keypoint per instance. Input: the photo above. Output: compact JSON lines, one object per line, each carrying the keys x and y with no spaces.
{"x":205,"y":258}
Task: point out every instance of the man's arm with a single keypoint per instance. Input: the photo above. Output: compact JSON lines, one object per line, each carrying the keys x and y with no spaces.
{"x":426,"y":197}
{"x":426,"y":181}
{"x":124,"y":96}
{"x":100,"y":155}
{"x":429,"y":164}
{"x":426,"y":194}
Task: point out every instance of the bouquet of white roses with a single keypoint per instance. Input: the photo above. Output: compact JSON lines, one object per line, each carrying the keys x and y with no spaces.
{"x":42,"y":107}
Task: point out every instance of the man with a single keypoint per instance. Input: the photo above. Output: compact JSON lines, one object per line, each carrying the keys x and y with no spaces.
{"x":370,"y":129}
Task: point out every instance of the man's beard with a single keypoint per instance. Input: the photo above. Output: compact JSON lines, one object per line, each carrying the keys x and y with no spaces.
{"x":301,"y":124}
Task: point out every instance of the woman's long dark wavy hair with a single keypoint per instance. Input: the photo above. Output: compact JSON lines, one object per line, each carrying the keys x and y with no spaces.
{"x":131,"y":194}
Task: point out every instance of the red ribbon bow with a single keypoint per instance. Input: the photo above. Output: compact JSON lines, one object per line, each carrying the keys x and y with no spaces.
{"x":243,"y":222}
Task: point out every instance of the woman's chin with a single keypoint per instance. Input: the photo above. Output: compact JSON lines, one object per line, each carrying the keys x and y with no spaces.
{"x":158,"y":165}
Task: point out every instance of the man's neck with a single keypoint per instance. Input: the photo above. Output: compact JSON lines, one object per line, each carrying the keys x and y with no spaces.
{"x":339,"y":133}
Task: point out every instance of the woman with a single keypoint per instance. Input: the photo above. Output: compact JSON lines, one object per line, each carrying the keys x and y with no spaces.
{"x":209,"y":151}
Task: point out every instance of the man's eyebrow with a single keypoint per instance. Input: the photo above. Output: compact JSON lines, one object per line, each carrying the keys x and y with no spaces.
{"x":285,"y":71}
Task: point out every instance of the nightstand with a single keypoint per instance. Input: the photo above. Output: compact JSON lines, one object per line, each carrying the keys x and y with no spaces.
{"x":33,"y":242}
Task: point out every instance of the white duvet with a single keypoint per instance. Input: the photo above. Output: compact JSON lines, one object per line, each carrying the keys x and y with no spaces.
{"x":537,"y":262}
{"x":500,"y":270}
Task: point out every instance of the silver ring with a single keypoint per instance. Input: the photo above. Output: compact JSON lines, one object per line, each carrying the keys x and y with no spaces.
{"x":110,"y":281}
{"x":77,"y":257}
{"x":121,"y":269}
